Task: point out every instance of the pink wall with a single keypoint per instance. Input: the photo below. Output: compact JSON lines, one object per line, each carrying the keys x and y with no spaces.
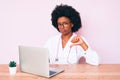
{"x":25,"y":21}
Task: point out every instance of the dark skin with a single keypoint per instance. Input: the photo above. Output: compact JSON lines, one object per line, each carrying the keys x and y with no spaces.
{"x":65,"y":27}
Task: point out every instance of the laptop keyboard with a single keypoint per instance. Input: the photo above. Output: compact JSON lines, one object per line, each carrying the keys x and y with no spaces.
{"x":52,"y":72}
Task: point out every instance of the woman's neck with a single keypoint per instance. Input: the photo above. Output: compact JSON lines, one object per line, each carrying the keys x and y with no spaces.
{"x":66,"y":36}
{"x":65,"y":39}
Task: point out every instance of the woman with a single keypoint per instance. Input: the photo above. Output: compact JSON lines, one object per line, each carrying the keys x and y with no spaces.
{"x":68,"y":48}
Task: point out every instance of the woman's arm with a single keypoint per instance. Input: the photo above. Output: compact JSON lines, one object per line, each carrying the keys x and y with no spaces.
{"x":90,"y":55}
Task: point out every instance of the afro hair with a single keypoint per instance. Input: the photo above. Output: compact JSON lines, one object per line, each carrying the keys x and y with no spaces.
{"x":69,"y":12}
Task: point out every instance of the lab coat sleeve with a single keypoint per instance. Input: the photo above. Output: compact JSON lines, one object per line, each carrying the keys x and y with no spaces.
{"x":90,"y":55}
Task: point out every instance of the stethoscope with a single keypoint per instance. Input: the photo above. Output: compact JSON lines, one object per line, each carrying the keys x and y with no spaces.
{"x":57,"y":52}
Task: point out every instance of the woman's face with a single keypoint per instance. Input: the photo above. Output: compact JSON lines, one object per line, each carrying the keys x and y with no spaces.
{"x":64,"y":25}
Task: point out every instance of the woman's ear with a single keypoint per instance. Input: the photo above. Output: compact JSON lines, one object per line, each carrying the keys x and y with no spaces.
{"x":72,"y":25}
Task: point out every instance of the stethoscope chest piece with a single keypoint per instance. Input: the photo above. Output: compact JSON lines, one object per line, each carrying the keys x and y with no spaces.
{"x":56,"y":59}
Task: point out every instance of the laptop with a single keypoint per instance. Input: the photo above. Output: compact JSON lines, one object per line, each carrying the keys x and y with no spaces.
{"x":35,"y":60}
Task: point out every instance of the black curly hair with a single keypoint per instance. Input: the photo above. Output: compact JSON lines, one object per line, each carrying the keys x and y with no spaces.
{"x":69,"y":12}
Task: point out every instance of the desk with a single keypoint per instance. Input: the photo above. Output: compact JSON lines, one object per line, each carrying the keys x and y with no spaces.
{"x":72,"y":72}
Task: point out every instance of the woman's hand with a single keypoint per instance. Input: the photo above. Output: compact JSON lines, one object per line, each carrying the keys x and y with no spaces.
{"x":77,"y":40}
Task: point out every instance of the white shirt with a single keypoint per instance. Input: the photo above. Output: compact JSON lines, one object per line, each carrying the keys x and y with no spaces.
{"x":67,"y":55}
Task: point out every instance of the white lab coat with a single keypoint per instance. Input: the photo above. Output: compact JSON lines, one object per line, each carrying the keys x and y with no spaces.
{"x":67,"y":55}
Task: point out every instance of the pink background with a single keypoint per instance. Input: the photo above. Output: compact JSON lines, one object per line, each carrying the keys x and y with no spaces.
{"x":27,"y":22}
